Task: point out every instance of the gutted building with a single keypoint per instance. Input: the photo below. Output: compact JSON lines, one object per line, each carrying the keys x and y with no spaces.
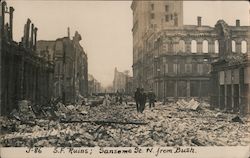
{"x":179,"y":61}
{"x":70,"y":78}
{"x":25,"y":74}
{"x":231,"y":72}
{"x":172,"y":59}
{"x":93,"y":85}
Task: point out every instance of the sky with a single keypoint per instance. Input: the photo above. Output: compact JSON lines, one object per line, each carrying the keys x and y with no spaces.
{"x":105,"y":26}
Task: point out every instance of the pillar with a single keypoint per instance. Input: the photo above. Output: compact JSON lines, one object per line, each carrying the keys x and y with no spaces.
{"x":35,"y":37}
{"x":27,"y":33}
{"x":11,"y":23}
{"x":3,"y":16}
{"x":242,"y":99}
{"x":32,"y":37}
{"x":188,"y":88}
{"x":176,"y":89}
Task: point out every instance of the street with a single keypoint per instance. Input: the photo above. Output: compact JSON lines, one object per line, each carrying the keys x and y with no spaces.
{"x":115,"y":125}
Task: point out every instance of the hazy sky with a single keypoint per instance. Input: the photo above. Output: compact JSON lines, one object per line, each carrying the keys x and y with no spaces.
{"x":106,"y":26}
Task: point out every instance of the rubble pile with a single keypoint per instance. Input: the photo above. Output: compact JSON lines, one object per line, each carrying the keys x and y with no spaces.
{"x":181,"y":123}
{"x":235,"y":58}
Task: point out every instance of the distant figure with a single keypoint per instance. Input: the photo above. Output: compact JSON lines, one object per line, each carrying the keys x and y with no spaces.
{"x":142,"y":100}
{"x":117,"y":97}
{"x":120,"y":99}
{"x":137,"y":99}
{"x":151,"y":98}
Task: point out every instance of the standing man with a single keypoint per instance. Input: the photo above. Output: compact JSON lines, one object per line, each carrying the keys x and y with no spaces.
{"x":120,"y":99}
{"x":117,"y":97}
{"x":137,"y":99}
{"x":143,"y":99}
{"x":151,"y":97}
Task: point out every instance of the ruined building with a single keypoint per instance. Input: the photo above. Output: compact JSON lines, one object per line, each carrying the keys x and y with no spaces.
{"x":24,"y":74}
{"x":70,"y":78}
{"x":122,"y":82}
{"x":172,"y":59}
{"x":94,"y":86}
{"x":231,"y":72}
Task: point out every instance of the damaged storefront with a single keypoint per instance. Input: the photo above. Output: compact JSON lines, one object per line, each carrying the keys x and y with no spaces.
{"x":230,"y":73}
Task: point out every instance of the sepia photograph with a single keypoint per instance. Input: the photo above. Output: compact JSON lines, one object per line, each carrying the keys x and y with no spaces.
{"x":119,"y":74}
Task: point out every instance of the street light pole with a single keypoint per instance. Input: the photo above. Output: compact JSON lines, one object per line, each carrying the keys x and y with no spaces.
{"x":158,"y":82}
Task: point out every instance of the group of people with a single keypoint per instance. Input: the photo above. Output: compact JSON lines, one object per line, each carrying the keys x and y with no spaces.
{"x":141,"y":99}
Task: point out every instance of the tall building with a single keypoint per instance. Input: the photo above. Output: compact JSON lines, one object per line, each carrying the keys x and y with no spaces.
{"x":148,"y":17}
{"x":122,"y":82}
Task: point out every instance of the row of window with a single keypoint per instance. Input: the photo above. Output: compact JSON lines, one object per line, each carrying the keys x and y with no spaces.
{"x":184,"y":68}
{"x":168,"y":17}
{"x":243,"y":46}
{"x":181,"y":47}
{"x":197,"y":88}
{"x":166,"y":7}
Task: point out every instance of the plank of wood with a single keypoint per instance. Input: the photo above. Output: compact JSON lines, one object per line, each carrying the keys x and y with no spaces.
{"x":103,"y":122}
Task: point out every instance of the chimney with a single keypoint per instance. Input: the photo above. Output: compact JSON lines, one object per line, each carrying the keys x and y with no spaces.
{"x":199,"y":21}
{"x":237,"y":23}
{"x":11,"y":22}
{"x":32,"y":36}
{"x":35,"y":37}
{"x":68,"y":32}
{"x":27,"y":33}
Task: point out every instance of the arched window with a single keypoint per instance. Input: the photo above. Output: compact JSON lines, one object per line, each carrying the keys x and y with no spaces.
{"x":243,"y":47}
{"x":233,"y":46}
{"x":216,"y":46}
{"x":193,"y":46}
{"x":205,"y":46}
{"x":182,"y":46}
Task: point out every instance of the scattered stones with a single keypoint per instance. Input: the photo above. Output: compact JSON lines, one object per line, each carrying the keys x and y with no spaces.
{"x":184,"y":123}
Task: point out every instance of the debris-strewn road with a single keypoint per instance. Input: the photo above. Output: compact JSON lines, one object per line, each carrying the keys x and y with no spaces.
{"x":120,"y":125}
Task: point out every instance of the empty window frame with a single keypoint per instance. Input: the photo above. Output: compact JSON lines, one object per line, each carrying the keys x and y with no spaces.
{"x":233,"y":46}
{"x":182,"y":46}
{"x":166,"y":8}
{"x":193,"y":46}
{"x":205,"y":46}
{"x":152,"y":15}
{"x":152,"y":6}
{"x":216,"y":46}
{"x":243,"y":47}
{"x":167,"y":18}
